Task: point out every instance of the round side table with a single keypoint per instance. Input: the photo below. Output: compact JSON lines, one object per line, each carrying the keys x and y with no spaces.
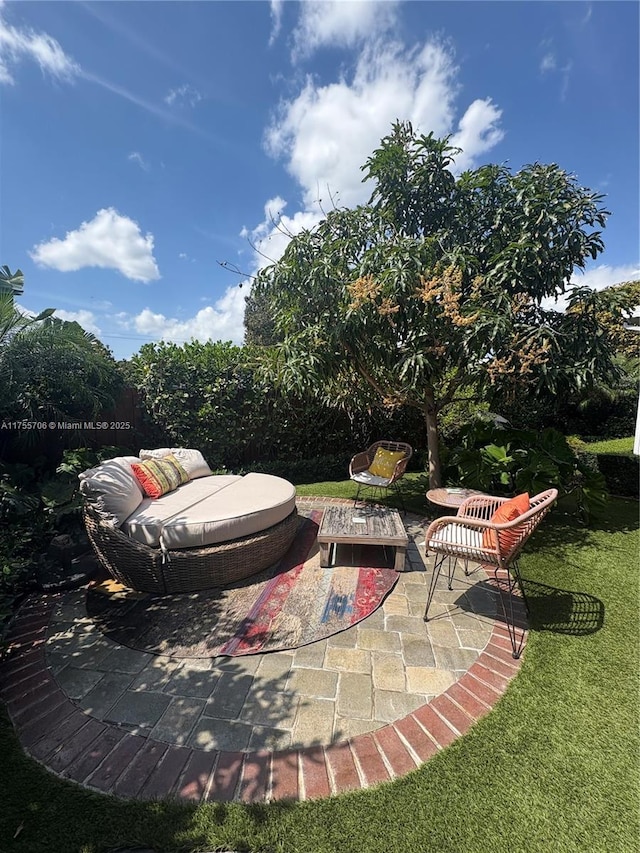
{"x":450,"y":498}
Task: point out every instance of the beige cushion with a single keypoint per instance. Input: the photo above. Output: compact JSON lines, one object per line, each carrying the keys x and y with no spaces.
{"x":146,"y":523}
{"x":366,"y":478}
{"x":112,"y":489}
{"x":211,"y":510}
{"x":468,"y":540}
{"x":192,"y":461}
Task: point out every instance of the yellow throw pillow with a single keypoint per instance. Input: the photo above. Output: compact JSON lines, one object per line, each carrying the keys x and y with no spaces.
{"x":384,"y":462}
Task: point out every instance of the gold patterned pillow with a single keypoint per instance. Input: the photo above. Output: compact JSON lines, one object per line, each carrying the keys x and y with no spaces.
{"x":384,"y":462}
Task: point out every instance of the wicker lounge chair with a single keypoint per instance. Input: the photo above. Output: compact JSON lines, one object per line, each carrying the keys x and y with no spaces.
{"x":360,"y":473}
{"x":464,"y":536}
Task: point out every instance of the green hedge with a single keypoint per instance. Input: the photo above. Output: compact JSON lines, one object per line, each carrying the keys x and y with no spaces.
{"x":620,"y":470}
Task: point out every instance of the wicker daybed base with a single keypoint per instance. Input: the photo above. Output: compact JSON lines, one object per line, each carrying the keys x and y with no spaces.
{"x":146,"y":569}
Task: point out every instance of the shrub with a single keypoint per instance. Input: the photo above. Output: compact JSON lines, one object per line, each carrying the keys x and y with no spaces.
{"x":506,"y":461}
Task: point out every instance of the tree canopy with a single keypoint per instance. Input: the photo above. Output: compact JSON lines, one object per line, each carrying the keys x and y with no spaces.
{"x":435,"y":286}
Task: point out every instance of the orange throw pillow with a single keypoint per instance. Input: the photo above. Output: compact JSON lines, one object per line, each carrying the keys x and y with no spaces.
{"x":508,"y":511}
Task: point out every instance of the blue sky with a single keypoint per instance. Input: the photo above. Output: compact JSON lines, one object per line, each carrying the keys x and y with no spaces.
{"x":144,"y":143}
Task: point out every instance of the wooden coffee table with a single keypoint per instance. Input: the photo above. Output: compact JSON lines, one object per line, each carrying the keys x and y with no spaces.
{"x":450,"y":498}
{"x":362,"y":526}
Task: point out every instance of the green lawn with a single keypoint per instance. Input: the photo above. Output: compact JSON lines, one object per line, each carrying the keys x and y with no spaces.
{"x":553,"y":768}
{"x":611,"y":445}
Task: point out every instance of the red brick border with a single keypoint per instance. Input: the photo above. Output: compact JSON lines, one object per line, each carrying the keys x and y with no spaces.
{"x":74,"y":745}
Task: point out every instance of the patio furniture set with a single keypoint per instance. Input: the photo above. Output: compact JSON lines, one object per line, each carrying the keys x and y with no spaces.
{"x":162,"y":522}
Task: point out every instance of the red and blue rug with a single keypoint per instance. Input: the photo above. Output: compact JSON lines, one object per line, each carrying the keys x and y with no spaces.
{"x":291,"y":604}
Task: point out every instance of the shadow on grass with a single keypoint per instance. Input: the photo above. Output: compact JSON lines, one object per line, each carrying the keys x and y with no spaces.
{"x":563,"y":611}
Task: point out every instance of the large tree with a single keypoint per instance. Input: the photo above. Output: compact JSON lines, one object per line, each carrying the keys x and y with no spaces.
{"x":435,"y":286}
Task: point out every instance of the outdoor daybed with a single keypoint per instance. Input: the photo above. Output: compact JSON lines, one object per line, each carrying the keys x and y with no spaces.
{"x":208,"y":531}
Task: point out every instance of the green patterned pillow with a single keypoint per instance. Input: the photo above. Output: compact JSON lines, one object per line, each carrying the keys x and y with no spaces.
{"x":159,"y":476}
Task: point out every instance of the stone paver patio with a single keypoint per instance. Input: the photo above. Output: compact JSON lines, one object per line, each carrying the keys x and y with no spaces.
{"x":356,"y":709}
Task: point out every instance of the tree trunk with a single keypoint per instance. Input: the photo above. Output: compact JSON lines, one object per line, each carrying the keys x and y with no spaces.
{"x":431,"y":420}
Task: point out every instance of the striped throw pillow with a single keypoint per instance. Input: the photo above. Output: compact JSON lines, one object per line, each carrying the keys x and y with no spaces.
{"x":159,"y":476}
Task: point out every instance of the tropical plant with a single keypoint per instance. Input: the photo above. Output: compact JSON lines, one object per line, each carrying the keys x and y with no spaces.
{"x":505,"y":461}
{"x":432,"y":292}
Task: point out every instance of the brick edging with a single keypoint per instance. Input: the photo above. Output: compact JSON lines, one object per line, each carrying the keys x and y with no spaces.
{"x":71,"y":743}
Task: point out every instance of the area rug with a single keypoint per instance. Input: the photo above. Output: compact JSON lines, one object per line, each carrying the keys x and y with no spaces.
{"x":288,"y":605}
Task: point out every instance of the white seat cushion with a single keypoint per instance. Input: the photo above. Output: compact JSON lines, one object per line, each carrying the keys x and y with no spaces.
{"x":212,"y":510}
{"x":253,"y":503}
{"x":147,"y":521}
{"x":467,"y":541}
{"x":366,"y":478}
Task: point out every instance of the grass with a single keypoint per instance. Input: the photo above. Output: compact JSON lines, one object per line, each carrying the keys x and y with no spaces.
{"x":610,"y":445}
{"x":552,"y":769}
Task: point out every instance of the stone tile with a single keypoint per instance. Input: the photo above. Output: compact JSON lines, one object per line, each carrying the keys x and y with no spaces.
{"x":105,"y":694}
{"x":314,"y":723}
{"x":348,"y":660}
{"x":378,"y":639}
{"x":175,"y":725}
{"x":417,"y":651}
{"x":271,"y":739}
{"x":454,"y":659}
{"x":313,"y":682}
{"x":355,"y":696}
{"x":476,"y":640}
{"x":344,"y":640}
{"x":156,"y":674}
{"x":242,"y":665}
{"x":389,"y":705}
{"x":442,"y":633}
{"x":349,"y":727}
{"x":396,"y":605}
{"x":123,"y":659}
{"x":92,"y":656}
{"x":482,"y":601}
{"x":388,"y":671}
{"x":269,"y":708}
{"x":197,"y":664}
{"x":374,"y":621}
{"x":196,"y":683}
{"x":274,"y":666}
{"x":428,"y":680}
{"x":406,"y":625}
{"x":228,"y":698}
{"x":138,"y":709}
{"x":416,"y":593}
{"x":311,"y":655}
{"x":76,"y":683}
{"x":209,"y":733}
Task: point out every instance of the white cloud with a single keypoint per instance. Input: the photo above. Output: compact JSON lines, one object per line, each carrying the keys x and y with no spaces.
{"x":86,"y":319}
{"x":327,"y":132}
{"x":548,"y":63}
{"x":222,"y":321}
{"x":109,"y":240}
{"x":597,"y":278}
{"x":477,"y":132}
{"x":340,"y":23}
{"x":136,"y":157}
{"x":272,"y":236}
{"x":20,"y":44}
{"x":183,"y":95}
{"x":276,"y":19}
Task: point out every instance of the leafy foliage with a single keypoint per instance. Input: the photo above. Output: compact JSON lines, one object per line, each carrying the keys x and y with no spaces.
{"x":432,"y":292}
{"x":214,"y":396}
{"x":508,"y":461}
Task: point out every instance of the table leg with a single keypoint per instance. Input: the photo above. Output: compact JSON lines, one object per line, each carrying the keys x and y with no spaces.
{"x":400,"y":556}
{"x":325,"y":548}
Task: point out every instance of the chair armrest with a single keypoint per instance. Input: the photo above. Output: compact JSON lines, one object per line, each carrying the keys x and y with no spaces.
{"x":398,"y":471}
{"x":360,"y":462}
